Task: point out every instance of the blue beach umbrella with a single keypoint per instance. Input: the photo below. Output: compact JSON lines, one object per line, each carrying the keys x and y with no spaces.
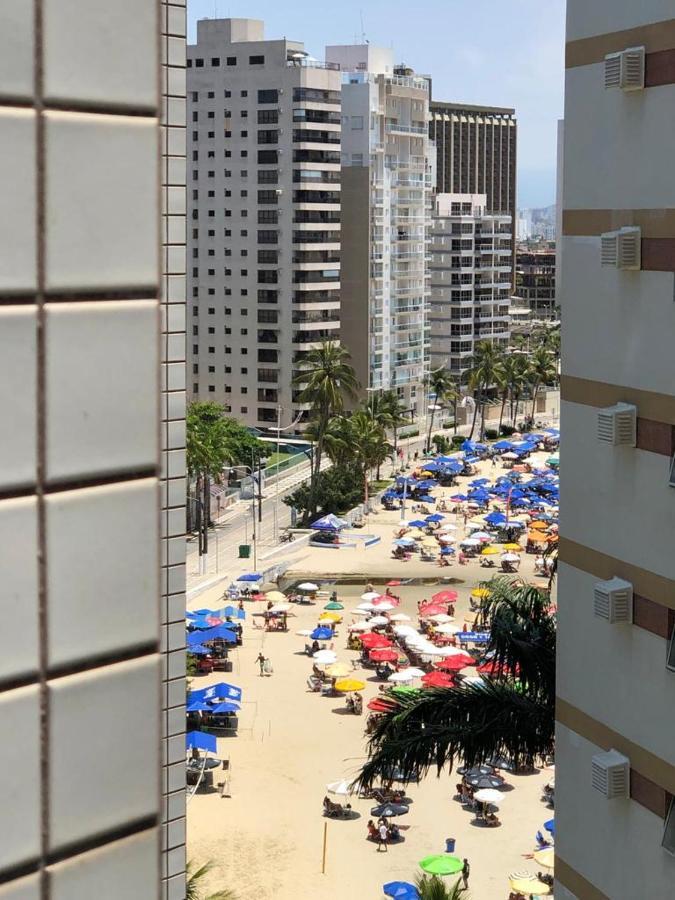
{"x":251,"y":576}
{"x":220,"y":691}
{"x":321,"y":634}
{"x":550,"y":826}
{"x":201,"y":741}
{"x":401,"y":890}
{"x":197,"y":706}
{"x":435,"y":517}
{"x":404,"y":542}
{"x":198,"y":650}
{"x":226,"y":706}
{"x":418,"y":523}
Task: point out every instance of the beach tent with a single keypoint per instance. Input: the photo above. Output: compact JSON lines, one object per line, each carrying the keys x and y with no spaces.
{"x":401,"y":890}
{"x":329,"y":523}
{"x":321,"y":634}
{"x":201,"y":741}
{"x":251,"y":576}
{"x":220,"y":691}
{"x":227,"y":706}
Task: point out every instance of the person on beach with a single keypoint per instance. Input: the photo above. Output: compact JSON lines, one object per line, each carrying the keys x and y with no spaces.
{"x":260,"y":659}
{"x":384,"y":834}
{"x":466,"y":871}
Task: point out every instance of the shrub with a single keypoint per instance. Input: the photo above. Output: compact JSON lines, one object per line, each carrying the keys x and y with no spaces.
{"x":491,"y":434}
{"x":507,"y":430}
{"x":441,"y":443}
{"x":458,"y":440}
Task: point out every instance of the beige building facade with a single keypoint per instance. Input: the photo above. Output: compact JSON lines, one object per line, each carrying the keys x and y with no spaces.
{"x":614,"y":818}
{"x":264,"y":216}
{"x":470,"y":267}
{"x":91,"y":463}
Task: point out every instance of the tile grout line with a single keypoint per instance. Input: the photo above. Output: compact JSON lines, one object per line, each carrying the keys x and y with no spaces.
{"x":40,"y":449}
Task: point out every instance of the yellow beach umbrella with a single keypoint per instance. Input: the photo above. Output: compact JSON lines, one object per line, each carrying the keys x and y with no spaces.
{"x":545,"y":857}
{"x":480,"y":592}
{"x":513,"y":547}
{"x":337,"y":670}
{"x":490,"y":551}
{"x":345,"y":685}
{"x":416,"y":534}
{"x":430,"y":542}
{"x":330,"y":617}
{"x":529,"y":886}
{"x":276,"y":597}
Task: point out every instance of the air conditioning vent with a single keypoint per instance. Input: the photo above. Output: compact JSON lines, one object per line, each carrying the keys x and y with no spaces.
{"x":629,"y":246}
{"x":609,"y":248}
{"x":613,"y":70}
{"x":621,"y":249}
{"x":633,"y":69}
{"x":613,"y":600}
{"x":671,"y":480}
{"x":668,"y":841}
{"x":626,"y":70}
{"x":610,"y":774}
{"x":617,"y":425}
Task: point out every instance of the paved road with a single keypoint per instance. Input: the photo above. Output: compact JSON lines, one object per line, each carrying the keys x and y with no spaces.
{"x":236,"y":525}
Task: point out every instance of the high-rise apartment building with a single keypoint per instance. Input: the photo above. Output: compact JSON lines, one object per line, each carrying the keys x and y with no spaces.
{"x":615,"y":744}
{"x":91,"y":338}
{"x":535,"y":282}
{"x":470,"y":266}
{"x":476,"y":154}
{"x":386,"y":194}
{"x":263,"y":215}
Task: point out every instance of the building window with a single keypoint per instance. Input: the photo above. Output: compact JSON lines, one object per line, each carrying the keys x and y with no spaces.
{"x":268,"y":157}
{"x":231,"y":60}
{"x":244,"y":134}
{"x":215,"y":60}
{"x":256,"y":60}
{"x":210,"y":95}
{"x":227,"y":94}
{"x":195,"y":96}
{"x":199,"y":63}
{"x":244,"y":93}
{"x":357,"y":123}
{"x":268,"y":116}
{"x":268,"y":96}
{"x":268,"y":136}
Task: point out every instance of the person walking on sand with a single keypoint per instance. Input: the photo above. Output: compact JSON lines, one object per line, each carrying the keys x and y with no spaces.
{"x":382,"y":842}
{"x":466,"y":871}
{"x":260,"y":659}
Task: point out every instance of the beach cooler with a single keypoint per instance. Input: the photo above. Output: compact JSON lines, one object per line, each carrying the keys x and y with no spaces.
{"x":450,"y":845}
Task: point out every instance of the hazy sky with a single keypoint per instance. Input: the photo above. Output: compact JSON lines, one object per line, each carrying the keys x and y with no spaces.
{"x":501,"y":52}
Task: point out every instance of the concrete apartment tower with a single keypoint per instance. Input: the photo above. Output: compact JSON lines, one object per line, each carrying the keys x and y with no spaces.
{"x":476,"y":154}
{"x":386,"y":196}
{"x":91,"y":337}
{"x":264,"y":216}
{"x":535,"y":282}
{"x":470,"y":266}
{"x":615,"y":745}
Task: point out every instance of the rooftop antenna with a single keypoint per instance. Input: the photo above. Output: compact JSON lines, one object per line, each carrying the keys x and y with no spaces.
{"x":363,"y":33}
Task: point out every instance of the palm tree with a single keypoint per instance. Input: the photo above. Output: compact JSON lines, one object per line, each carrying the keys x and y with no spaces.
{"x":431,"y":887}
{"x":326,"y":378}
{"x":542,"y":371}
{"x":444,"y":388}
{"x":385,"y":408}
{"x":482,"y":376}
{"x":505,"y":716}
{"x":369,"y":442}
{"x":520,"y":380}
{"x":195,"y":874}
{"x":510,"y":375}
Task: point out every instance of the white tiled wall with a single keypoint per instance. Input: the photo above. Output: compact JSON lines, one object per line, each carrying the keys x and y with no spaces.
{"x":92,"y":294}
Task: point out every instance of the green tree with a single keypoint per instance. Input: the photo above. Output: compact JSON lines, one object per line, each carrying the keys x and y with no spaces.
{"x":511,"y":377}
{"x":507,"y":716}
{"x":369,"y":441}
{"x":337,"y":490}
{"x":326,"y":378}
{"x":481,"y":377}
{"x":542,"y":370}
{"x":194,"y":890}
{"x":213,"y":441}
{"x":385,"y":408}
{"x":431,"y":887}
{"x":444,"y":387}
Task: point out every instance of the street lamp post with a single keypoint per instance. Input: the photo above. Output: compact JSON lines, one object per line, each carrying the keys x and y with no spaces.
{"x":278,"y":430}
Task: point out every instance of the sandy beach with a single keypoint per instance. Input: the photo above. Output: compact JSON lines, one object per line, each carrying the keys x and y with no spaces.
{"x":267,"y":837}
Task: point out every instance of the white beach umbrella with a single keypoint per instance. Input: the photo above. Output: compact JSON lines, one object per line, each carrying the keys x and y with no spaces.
{"x":399,"y":617}
{"x":385,"y":606}
{"x":342,"y":788}
{"x":489,"y":795}
{"x":325,"y":657}
{"x":304,"y":632}
{"x":308,"y":586}
{"x":368,"y":607}
{"x":370,"y":595}
{"x":448,"y":628}
{"x":280,"y":607}
{"x":418,"y":673}
{"x":378,"y":620}
{"x":404,"y":630}
{"x":447,"y":538}
{"x":359,"y":626}
{"x":359,"y":612}
{"x":453,"y":651}
{"x":470,"y":542}
{"x":441,"y":617}
{"x":473,"y":679}
{"x":433,"y":651}
{"x":401,"y":677}
{"x":510,"y":557}
{"x":448,"y":526}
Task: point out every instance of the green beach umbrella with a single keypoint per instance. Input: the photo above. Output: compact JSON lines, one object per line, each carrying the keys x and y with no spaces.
{"x":404,"y":689}
{"x":333,"y":605}
{"x":441,"y":864}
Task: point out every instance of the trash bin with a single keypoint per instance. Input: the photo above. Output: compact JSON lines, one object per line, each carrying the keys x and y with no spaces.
{"x":449,"y":845}
{"x":244,"y":551}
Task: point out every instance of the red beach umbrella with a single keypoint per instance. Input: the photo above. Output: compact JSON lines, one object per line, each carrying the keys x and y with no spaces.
{"x":438,"y":679}
{"x":491,"y":668}
{"x":455,"y":662}
{"x":432,"y":609}
{"x":445,"y":596}
{"x":379,"y":704}
{"x":373,"y":641}
{"x":383,"y":655}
